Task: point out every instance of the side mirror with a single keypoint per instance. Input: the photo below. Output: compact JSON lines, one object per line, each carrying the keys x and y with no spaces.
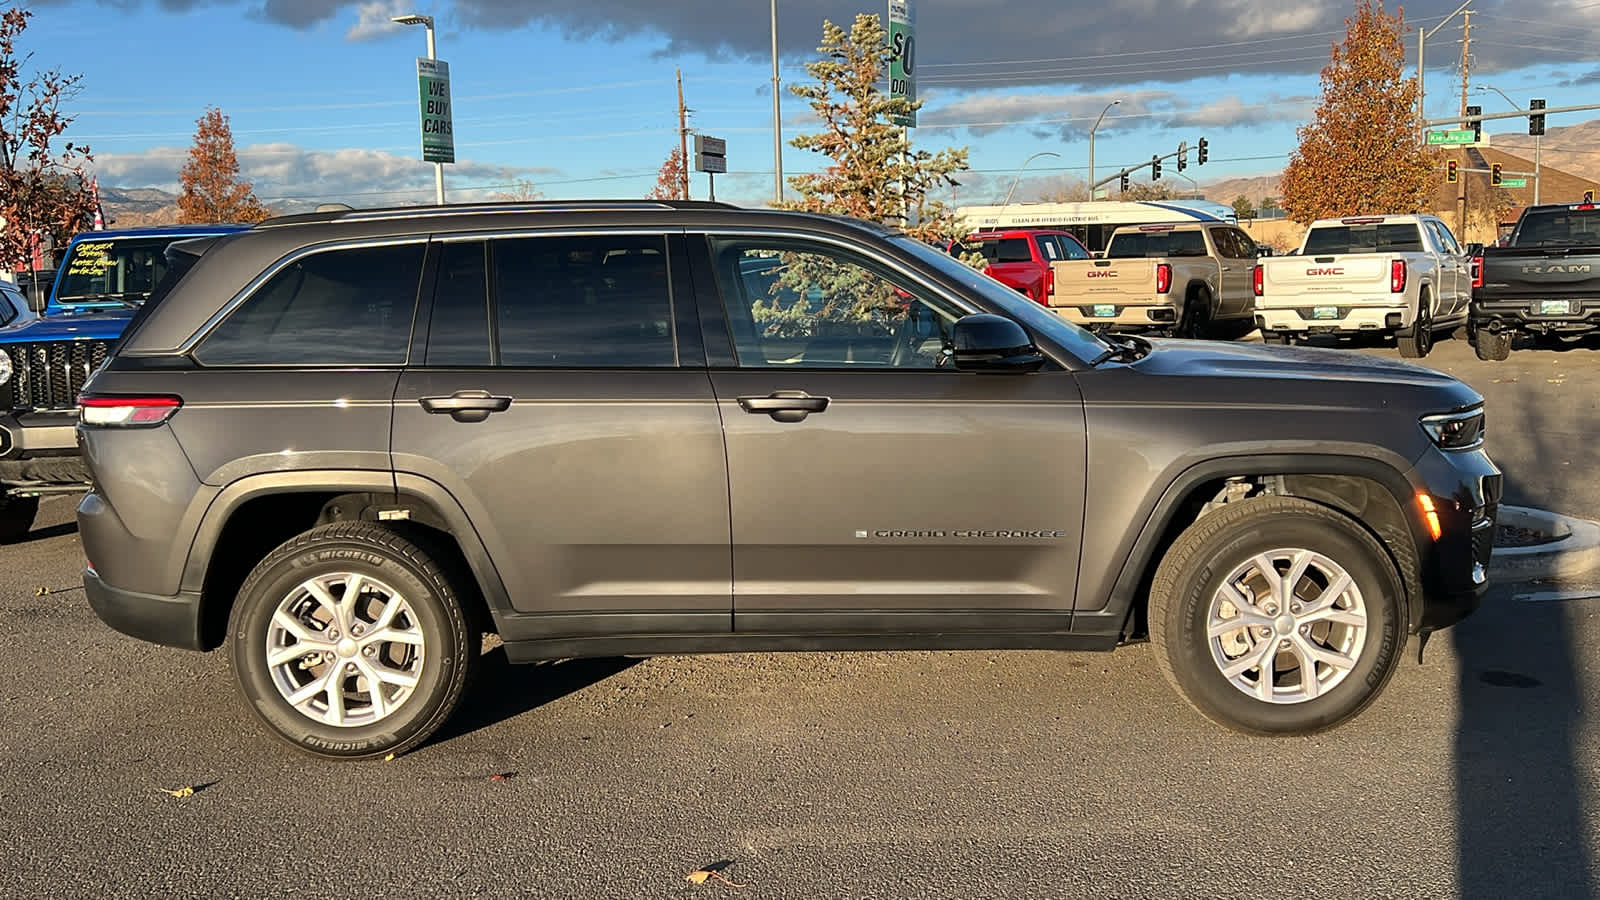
{"x":1473,"y":249}
{"x":989,"y":343}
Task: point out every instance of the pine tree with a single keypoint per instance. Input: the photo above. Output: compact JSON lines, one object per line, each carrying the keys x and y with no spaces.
{"x":1360,"y":155}
{"x":212,"y":190}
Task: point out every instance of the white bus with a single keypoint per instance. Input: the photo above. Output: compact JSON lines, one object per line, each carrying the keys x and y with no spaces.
{"x":1092,"y":223}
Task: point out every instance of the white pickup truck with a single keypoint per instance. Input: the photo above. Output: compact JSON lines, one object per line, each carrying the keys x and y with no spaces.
{"x":1399,"y":275}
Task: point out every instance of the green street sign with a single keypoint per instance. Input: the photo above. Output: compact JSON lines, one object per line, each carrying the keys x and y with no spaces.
{"x":433,"y":96}
{"x":903,"y":57}
{"x":1513,"y":182}
{"x":1454,"y":138}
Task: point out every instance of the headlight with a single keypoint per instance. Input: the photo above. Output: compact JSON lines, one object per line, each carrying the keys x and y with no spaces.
{"x":1455,"y":431}
{"x":5,"y":367}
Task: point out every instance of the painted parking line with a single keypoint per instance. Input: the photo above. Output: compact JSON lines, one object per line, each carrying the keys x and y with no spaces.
{"x":1556,"y":596}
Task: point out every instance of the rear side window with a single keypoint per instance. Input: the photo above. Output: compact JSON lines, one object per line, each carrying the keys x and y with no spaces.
{"x":348,"y":307}
{"x":1331,"y":240}
{"x":1156,"y":244}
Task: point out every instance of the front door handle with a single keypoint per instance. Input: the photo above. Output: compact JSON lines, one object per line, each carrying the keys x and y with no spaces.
{"x":466,"y":406}
{"x":785,"y":406}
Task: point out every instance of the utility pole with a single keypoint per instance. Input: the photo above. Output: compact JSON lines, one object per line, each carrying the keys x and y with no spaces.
{"x":683,"y":138}
{"x":1466,"y":59}
{"x":777,"y":114}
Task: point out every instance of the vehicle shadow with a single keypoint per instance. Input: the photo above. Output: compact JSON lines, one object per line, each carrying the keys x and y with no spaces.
{"x":505,"y":690}
{"x":1521,"y":819}
{"x":62,"y":529}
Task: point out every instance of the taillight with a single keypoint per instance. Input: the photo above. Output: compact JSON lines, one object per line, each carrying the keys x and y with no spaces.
{"x":1049,"y":282}
{"x":1259,"y":281}
{"x":1397,"y":276}
{"x":128,"y":411}
{"x":1477,"y":271}
{"x":1163,"y":278}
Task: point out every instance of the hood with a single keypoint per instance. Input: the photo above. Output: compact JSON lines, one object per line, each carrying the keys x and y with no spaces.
{"x":101,"y":325}
{"x":1237,"y":360}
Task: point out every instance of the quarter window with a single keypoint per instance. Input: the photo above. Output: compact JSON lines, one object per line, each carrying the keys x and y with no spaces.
{"x":805,"y":305}
{"x":348,"y":307}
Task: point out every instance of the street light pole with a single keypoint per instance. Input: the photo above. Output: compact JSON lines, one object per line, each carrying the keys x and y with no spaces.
{"x":427,"y":23}
{"x":1091,"y":143}
{"x":777,"y":113}
{"x":1422,"y":38}
{"x":1537,"y":139}
{"x":1019,"y":173}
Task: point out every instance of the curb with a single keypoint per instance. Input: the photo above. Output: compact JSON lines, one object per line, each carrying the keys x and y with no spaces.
{"x":1575,"y":553}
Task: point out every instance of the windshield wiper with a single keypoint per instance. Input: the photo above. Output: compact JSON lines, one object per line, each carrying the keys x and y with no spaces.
{"x":108,"y":298}
{"x":1124,"y":348}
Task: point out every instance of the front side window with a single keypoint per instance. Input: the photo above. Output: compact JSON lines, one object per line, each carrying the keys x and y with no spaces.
{"x":806,"y":305}
{"x":345,"y":307}
{"x":10,"y":303}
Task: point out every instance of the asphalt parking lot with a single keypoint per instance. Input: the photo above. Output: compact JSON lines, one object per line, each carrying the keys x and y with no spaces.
{"x":907,"y":775}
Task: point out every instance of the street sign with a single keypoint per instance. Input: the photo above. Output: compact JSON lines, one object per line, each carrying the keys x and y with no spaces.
{"x":1513,"y":182}
{"x":710,"y":154}
{"x":1454,"y":138}
{"x":433,"y":94}
{"x":903,"y":57}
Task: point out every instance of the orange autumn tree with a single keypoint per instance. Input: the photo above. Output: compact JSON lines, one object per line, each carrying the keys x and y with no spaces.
{"x":1360,"y":154}
{"x":669,"y":181}
{"x":212,"y":190}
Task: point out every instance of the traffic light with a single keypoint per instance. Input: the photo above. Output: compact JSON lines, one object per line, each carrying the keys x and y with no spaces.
{"x":1477,"y":124}
{"x":1183,"y":155}
{"x":1588,"y":196}
{"x":1536,"y":123}
{"x":1494,"y":174}
{"x":1204,"y":152}
{"x":1124,"y":182}
{"x":1155,"y":167}
{"x":1450,"y":173}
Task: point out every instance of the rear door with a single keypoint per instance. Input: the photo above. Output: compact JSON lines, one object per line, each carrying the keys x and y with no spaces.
{"x":562,"y":399}
{"x":874,"y":490}
{"x":1455,"y":273}
{"x":1236,"y":254}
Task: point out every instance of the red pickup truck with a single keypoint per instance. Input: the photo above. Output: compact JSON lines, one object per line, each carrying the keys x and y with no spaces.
{"x":1020,"y":258}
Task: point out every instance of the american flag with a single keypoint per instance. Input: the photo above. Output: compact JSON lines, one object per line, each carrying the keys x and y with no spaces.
{"x":99,"y":214}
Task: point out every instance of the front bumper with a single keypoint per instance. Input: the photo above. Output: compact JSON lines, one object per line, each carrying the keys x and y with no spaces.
{"x":1334,"y":318}
{"x":40,"y":449}
{"x":172,"y":621}
{"x":1466,"y":487}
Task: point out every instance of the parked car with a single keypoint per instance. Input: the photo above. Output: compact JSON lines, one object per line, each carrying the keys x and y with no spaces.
{"x":35,"y":287}
{"x":1020,"y":258}
{"x":103,"y":279}
{"x":1543,"y":283}
{"x":1393,"y":275}
{"x":345,"y":444}
{"x":1190,"y":279}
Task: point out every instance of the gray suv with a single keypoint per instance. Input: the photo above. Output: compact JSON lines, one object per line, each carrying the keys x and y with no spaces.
{"x":346,"y":445}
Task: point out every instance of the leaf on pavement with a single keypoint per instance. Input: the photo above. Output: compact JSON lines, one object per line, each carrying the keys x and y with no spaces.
{"x":185,"y":791}
{"x":389,"y":758}
{"x":502,"y":776}
{"x":701,"y":876}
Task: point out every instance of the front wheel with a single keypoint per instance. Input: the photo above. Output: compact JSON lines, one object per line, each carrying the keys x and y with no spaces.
{"x":1419,"y":341}
{"x":16,"y":517}
{"x":349,"y":641}
{"x":1276,"y":616}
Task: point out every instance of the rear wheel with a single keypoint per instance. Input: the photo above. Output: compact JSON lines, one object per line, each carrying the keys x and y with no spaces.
{"x":16,"y":517}
{"x":350,"y":641}
{"x":1196,"y":322}
{"x":1492,"y":346}
{"x":1417,"y":343}
{"x":1277,"y":616}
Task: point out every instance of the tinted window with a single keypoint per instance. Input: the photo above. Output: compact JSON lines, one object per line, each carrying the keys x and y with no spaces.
{"x":1002,"y":250}
{"x":114,"y":269}
{"x":1329,"y":240}
{"x":601,"y":301}
{"x":1154,"y":244}
{"x":10,"y":303}
{"x":1049,"y":250}
{"x":1559,"y":226}
{"x":803,"y":305}
{"x":459,"y":332}
{"x":1234,"y":244}
{"x":336,"y":308}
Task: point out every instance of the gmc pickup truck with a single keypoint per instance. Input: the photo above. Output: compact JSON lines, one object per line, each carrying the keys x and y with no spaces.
{"x":1188,"y":280}
{"x":1543,"y":282}
{"x":1399,"y":275}
{"x":1020,"y":259}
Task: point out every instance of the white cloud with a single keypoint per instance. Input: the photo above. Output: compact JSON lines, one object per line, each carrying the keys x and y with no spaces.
{"x":373,"y":19}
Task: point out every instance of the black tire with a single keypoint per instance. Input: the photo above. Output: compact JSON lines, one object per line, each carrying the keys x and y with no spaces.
{"x":1416,"y":343}
{"x":16,"y":517}
{"x":1195,"y":323}
{"x":451,"y":642}
{"x":1491,"y":346}
{"x":1193,"y":571}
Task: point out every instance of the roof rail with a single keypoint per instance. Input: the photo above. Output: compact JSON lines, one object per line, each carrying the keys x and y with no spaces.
{"x":508,"y":206}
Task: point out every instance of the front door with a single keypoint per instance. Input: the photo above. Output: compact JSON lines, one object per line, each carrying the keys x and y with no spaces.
{"x":560,"y":401}
{"x":873,"y":489}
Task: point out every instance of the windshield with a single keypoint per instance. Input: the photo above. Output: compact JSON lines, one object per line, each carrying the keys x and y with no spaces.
{"x":1078,"y":341}
{"x":113,"y":270}
{"x":1330,"y":240}
{"x":1554,"y":227}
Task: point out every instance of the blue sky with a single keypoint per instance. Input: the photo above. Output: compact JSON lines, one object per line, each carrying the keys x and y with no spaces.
{"x":581,"y":101}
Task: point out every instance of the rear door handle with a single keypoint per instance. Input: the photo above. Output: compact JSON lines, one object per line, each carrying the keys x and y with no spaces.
{"x":785,"y":406}
{"x":466,"y":406}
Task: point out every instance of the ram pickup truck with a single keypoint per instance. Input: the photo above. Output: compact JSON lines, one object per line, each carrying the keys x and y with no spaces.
{"x":1185,"y":279}
{"x":1020,"y":258}
{"x":103,"y":279}
{"x":1544,"y":282}
{"x":1394,"y":275}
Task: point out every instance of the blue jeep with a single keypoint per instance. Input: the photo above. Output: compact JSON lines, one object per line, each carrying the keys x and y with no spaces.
{"x":102,"y":281}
